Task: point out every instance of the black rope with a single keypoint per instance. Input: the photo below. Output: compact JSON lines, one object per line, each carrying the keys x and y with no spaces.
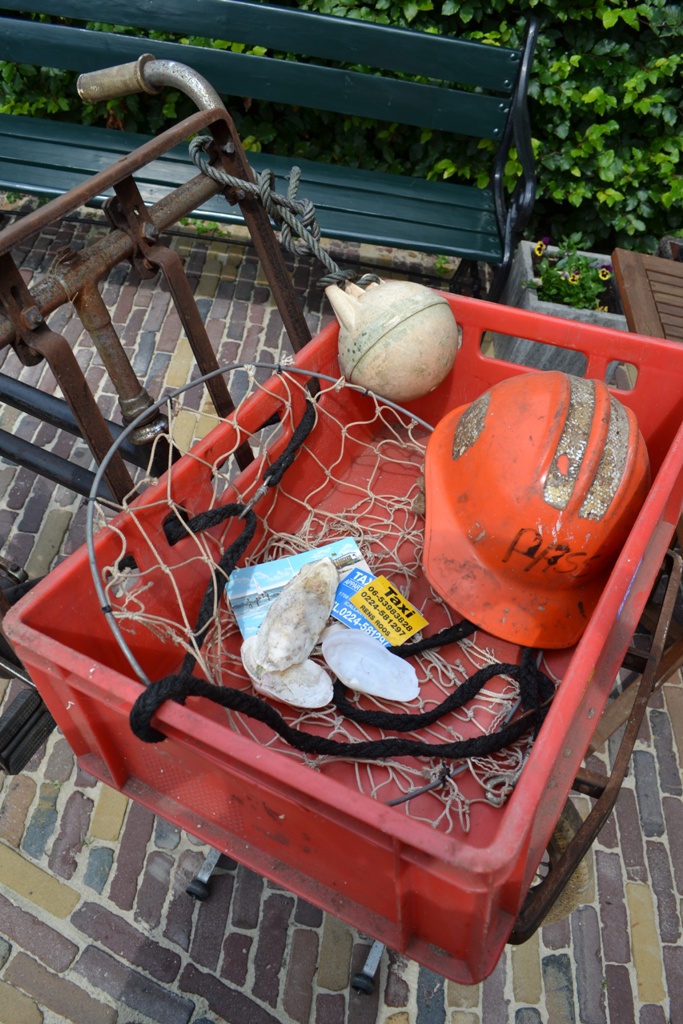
{"x":273,"y":474}
{"x":179,"y":524}
{"x":221,"y":571}
{"x":448,"y":635}
{"x":535,"y":689}
{"x":180,"y":687}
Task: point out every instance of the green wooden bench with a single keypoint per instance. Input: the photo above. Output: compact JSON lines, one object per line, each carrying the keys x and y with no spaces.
{"x":487,"y":101}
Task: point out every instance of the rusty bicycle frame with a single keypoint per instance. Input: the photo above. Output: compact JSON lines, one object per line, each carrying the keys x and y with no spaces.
{"x":135,"y":235}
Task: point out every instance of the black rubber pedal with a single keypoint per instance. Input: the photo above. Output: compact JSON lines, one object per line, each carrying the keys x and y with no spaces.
{"x":24,"y":727}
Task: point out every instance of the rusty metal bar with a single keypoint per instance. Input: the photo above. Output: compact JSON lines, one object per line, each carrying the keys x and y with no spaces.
{"x":149,"y":75}
{"x":541,"y":898}
{"x":133,"y":398}
{"x":100,"y":183}
{"x":136,"y":237}
{"x":129,"y":212}
{"x":102,"y":256}
{"x":105,"y":254}
{"x":57,"y":352}
{"x":37,"y":339}
{"x":590,"y":783}
{"x":619,"y":709}
{"x":233,"y":160}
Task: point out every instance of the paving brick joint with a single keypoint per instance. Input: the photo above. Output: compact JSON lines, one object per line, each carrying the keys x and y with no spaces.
{"x":95,"y":923}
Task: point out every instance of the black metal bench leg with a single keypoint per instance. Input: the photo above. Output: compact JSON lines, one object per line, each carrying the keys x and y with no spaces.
{"x":199,"y":885}
{"x":467,"y":271}
{"x":364,"y":981}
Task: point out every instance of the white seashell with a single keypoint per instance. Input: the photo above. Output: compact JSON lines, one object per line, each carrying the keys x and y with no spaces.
{"x":334,"y":627}
{"x":305,"y":686}
{"x":297,"y":616}
{"x":362,"y":663}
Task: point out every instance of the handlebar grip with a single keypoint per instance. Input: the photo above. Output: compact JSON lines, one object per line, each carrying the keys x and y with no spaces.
{"x":121,"y":80}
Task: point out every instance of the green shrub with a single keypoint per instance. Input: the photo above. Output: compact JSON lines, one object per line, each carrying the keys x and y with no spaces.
{"x":605,"y":100}
{"x":606,"y":104}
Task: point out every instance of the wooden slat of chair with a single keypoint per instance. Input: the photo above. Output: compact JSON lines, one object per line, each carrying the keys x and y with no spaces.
{"x":651,"y":290}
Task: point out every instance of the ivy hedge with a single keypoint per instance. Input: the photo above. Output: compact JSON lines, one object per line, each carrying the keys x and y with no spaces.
{"x":606,"y":103}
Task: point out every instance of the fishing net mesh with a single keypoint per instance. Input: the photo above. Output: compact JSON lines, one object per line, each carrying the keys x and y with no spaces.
{"x":359,"y":473}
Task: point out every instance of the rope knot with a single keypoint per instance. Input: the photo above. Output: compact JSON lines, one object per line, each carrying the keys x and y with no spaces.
{"x":294,"y":218}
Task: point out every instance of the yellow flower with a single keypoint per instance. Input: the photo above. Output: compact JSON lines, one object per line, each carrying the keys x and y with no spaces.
{"x":574,"y":277}
{"x":604,"y":274}
{"x":540,"y":248}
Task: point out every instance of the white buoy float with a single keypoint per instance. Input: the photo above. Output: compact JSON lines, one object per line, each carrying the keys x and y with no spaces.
{"x":399,"y":339}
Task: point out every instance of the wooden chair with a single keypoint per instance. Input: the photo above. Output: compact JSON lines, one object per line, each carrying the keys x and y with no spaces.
{"x":651,"y":290}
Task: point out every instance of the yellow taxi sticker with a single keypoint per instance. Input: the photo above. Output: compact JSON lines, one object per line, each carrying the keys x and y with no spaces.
{"x":388,"y":610}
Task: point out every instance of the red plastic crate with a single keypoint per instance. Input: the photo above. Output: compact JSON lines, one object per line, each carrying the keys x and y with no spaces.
{"x":447,"y":900}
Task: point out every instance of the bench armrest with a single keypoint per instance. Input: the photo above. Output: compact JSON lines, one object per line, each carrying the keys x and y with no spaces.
{"x":513,"y":212}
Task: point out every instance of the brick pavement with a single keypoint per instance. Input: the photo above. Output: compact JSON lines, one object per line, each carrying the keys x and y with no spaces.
{"x":95,"y":924}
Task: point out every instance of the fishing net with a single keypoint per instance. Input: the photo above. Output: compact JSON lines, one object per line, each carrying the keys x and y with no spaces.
{"x":328,"y":461}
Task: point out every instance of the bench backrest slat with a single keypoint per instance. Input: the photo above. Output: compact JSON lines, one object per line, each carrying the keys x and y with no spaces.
{"x":234,"y":74}
{"x":344,"y":40}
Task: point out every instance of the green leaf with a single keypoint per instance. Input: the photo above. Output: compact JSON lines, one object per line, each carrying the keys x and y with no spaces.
{"x":610,"y":196}
{"x":606,"y":77}
{"x":631,"y":18}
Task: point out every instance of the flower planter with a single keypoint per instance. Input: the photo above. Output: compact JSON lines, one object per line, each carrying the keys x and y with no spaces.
{"x":518,"y":293}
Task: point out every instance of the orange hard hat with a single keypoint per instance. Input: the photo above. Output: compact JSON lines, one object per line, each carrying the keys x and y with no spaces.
{"x":531,"y":491}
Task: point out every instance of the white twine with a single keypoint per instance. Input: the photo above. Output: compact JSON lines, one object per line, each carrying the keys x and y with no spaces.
{"x":390,"y":535}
